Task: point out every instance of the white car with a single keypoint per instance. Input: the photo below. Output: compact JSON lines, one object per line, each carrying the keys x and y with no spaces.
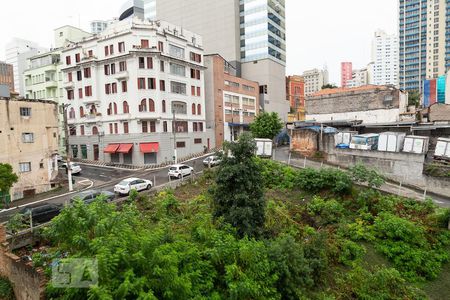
{"x":75,"y":168}
{"x":179,"y":171}
{"x":125,"y":186}
{"x":211,"y":161}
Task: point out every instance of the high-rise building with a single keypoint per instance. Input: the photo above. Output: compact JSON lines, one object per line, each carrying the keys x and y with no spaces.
{"x":7,"y":75}
{"x":136,"y":92}
{"x":385,"y":58}
{"x":360,"y":77}
{"x":132,"y":8}
{"x":346,"y":73}
{"x":314,"y":80}
{"x":17,"y":53}
{"x":249,"y":34}
{"x":424,"y":45}
{"x":98,"y":26}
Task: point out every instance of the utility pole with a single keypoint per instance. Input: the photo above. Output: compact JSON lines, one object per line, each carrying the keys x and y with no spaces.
{"x":232,"y":121}
{"x":66,"y":141}
{"x":175,"y":158}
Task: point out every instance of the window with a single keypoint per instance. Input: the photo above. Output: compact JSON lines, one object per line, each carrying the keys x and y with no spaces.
{"x":77,"y":57}
{"x":27,"y":137}
{"x":197,"y":74}
{"x":192,"y":90}
{"x":176,"y":51}
{"x":88,"y":91}
{"x":232,"y":83}
{"x":126,"y":107}
{"x":164,"y":106}
{"x":114,"y":88}
{"x":70,"y":95}
{"x":93,"y":110}
{"x":177,"y":69}
{"x":111,"y":128}
{"x":106,"y":50}
{"x":109,"y":110}
{"x":179,"y":107}
{"x":113,"y":68}
{"x":25,"y":167}
{"x":141,"y":83}
{"x":111,"y":49}
{"x":81,"y":112}
{"x":90,"y":53}
{"x":143,"y":105}
{"x":94,"y":130}
{"x":181,"y":144}
{"x":108,"y":88}
{"x":79,"y":77}
{"x":181,"y":126}
{"x":198,"y":91}
{"x":197,"y":141}
{"x":165,"y":126}
{"x":87,"y":72}
{"x":263,"y":89}
{"x":149,"y":63}
{"x":73,"y":131}
{"x":125,"y":127}
{"x":25,"y":111}
{"x":116,"y":128}
{"x":122,"y":66}
{"x":121,"y":47}
{"x":160,"y":46}
{"x":194,"y":126}
{"x":115,"y":108}
{"x":161,"y":66}
{"x":69,"y":77}
{"x":162,"y":85}
{"x":152,"y":126}
{"x":124,"y":86}
{"x":178,"y":87}
{"x":193,"y":108}
{"x":106,"y":67}
{"x":200,"y":126}
{"x":195,"y":57}
{"x":151,"y":105}
{"x":141,"y":63}
{"x":144,"y":126}
{"x":151,"y":83}
{"x":68,"y":60}
{"x":144,"y":44}
{"x":82,"y":130}
{"x":199,"y":109}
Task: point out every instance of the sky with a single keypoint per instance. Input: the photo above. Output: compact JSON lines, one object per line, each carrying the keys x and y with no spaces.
{"x":319,"y":32}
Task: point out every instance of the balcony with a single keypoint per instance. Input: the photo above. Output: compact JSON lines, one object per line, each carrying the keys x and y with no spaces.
{"x":93,"y":118}
{"x":50,"y":83}
{"x":69,"y":85}
{"x":91,"y":100}
{"x":122,"y":75}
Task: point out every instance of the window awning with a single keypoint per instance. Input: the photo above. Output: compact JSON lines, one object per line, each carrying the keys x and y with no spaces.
{"x":125,"y":148}
{"x":149,"y":147}
{"x":111,"y":148}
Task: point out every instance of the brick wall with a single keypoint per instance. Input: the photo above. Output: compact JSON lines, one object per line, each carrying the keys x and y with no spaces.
{"x":440,"y":112}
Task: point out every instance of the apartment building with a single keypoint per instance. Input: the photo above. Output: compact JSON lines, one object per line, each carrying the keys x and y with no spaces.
{"x":360,"y":77}
{"x":136,"y":93}
{"x":29,"y":135}
{"x":385,"y":58}
{"x":295,"y":93}
{"x":7,"y":75}
{"x":346,"y":73}
{"x":232,"y":102}
{"x":314,"y":80}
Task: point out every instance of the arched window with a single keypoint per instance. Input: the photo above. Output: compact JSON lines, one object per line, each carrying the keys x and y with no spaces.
{"x":126,"y":108}
{"x":143,"y":106}
{"x":151,"y":105}
{"x":93,"y":110}
{"x":199,"y":109}
{"x":109,"y":109}
{"x":81,"y":112}
{"x":193,"y":108}
{"x":94,"y":130}
{"x":72,"y":113}
{"x":115,"y":108}
{"x":164,"y":106}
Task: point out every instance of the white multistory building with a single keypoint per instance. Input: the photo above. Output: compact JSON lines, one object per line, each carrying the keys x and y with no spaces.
{"x":385,"y":58}
{"x":136,"y":92}
{"x":360,"y":77}
{"x":314,"y":80}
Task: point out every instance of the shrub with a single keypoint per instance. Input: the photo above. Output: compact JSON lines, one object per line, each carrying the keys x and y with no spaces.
{"x":6,"y":289}
{"x":326,"y":211}
{"x":350,"y":252}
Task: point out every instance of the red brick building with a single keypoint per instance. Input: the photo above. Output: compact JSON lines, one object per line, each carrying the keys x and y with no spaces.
{"x":6,"y":75}
{"x":295,"y":94}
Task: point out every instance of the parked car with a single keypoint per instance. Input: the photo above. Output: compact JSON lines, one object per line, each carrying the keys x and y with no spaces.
{"x":89,"y":196}
{"x":42,"y":213}
{"x":211,"y":161}
{"x":75,"y":168}
{"x":125,"y":186}
{"x":179,"y":171}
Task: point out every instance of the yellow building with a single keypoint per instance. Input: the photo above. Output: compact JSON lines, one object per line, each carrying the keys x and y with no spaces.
{"x":29,"y":142}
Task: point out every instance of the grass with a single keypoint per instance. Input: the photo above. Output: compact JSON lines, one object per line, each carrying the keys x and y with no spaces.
{"x":440,"y":287}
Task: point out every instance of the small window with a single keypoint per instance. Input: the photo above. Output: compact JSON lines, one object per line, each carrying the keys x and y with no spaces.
{"x":181,"y":144}
{"x":25,"y":167}
{"x":27,"y":137}
{"x":25,"y":111}
{"x":197,"y":141}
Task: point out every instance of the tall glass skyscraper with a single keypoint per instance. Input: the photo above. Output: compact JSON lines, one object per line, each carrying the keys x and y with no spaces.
{"x":262,"y":25}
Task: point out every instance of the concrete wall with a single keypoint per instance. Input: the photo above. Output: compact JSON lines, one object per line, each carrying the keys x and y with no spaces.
{"x":367,"y":116}
{"x":439,"y":112}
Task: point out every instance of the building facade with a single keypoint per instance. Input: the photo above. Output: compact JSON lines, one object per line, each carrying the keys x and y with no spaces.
{"x":232,"y":102}
{"x":360,"y":77}
{"x":17,"y":53}
{"x":370,"y":104}
{"x":385,"y":58}
{"x":136,"y":92}
{"x":29,"y":134}
{"x":295,"y":93}
{"x":249,"y":34}
{"x":314,"y":80}
{"x":7,"y":75}
{"x":97,"y":26}
{"x":346,"y":73}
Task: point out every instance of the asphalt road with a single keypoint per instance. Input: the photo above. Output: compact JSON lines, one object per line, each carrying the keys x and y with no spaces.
{"x":106,"y":178}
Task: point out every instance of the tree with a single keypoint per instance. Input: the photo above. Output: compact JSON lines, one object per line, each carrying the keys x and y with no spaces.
{"x":7,"y":179}
{"x":266,"y":125}
{"x":239,"y":193}
{"x":414,"y":98}
{"x":329,"y":86}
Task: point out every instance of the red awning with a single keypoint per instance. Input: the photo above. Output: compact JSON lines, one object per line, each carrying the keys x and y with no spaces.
{"x":125,"y":148}
{"x":111,"y":148}
{"x":149,"y":147}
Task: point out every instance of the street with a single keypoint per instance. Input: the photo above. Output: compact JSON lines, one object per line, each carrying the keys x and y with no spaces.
{"x":105,"y":179}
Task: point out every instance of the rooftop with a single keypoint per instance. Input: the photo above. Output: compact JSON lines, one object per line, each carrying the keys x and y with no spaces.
{"x":356,"y":89}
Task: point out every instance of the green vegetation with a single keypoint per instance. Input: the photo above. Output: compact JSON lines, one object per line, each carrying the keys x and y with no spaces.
{"x":266,"y":125}
{"x":6,"y":290}
{"x":7,"y":180}
{"x":414,"y":98}
{"x":297,"y":234}
{"x":329,"y":86}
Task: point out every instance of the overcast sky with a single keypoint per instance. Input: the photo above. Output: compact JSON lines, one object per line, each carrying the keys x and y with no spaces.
{"x":319,"y":32}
